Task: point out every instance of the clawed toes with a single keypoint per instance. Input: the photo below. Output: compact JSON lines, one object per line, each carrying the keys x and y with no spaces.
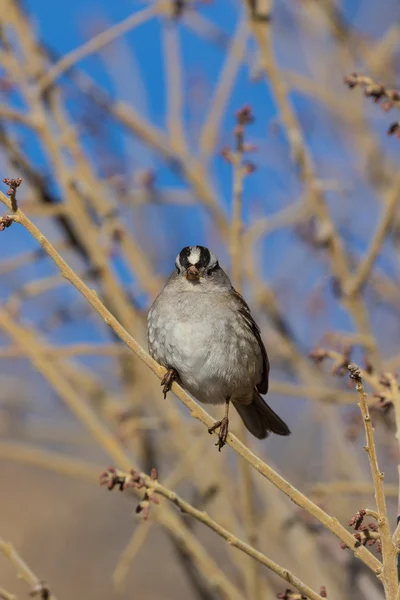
{"x":165,"y":388}
{"x":222,"y":434}
{"x":220,"y":443}
{"x":214,"y":427}
{"x":167,"y":381}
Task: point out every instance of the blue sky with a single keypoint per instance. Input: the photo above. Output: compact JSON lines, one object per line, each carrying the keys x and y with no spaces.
{"x":137,"y":76}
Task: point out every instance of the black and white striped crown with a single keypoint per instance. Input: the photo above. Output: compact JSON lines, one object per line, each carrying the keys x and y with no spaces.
{"x":198,"y":256}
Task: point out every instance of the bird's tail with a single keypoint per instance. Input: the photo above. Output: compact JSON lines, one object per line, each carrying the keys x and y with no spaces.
{"x":260,"y":419}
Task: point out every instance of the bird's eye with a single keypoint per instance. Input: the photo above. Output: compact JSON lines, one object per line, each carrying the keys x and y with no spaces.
{"x":213,"y":268}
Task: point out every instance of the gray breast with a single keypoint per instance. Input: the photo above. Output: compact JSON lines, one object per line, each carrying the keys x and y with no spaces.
{"x":205,"y":341}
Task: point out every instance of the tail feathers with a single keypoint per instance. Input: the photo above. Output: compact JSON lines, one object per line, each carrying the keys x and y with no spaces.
{"x":260,"y":419}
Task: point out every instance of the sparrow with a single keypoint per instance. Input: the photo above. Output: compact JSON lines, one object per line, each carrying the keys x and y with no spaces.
{"x":202,"y":331}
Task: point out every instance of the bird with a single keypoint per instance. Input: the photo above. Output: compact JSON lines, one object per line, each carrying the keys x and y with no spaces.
{"x":202,"y":331}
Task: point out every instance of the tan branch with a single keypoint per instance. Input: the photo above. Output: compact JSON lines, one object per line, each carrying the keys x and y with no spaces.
{"x":374,"y":90}
{"x":174,"y":85}
{"x":234,"y":541}
{"x":60,"y":383}
{"x":351,"y":487}
{"x":192,"y":170}
{"x":364,"y":270}
{"x":131,"y":550}
{"x":395,"y":397}
{"x":4,"y":595}
{"x":243,"y":118}
{"x":78,"y":180}
{"x":302,"y":157}
{"x":24,"y":570}
{"x":389,"y":554}
{"x":52,"y":461}
{"x":70,"y":350}
{"x":94,"y":45}
{"x":212,"y":124}
{"x":11,"y":114}
{"x":330,"y":396}
{"x":196,"y":411}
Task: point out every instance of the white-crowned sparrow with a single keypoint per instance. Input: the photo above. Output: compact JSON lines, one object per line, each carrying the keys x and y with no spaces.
{"x":202,"y":331}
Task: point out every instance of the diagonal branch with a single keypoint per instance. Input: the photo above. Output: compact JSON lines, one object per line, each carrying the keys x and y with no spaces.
{"x":94,"y":45}
{"x":196,"y":411}
{"x":203,"y":517}
{"x":89,"y":472}
{"x":4,"y":595}
{"x":38,"y":587}
{"x":27,"y":341}
{"x":191,"y":169}
{"x":365,"y":269}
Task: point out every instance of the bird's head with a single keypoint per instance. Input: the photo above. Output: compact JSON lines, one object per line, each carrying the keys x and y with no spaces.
{"x":197,"y":265}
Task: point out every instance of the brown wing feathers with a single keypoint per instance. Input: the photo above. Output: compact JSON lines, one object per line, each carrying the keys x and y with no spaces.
{"x":244,"y":310}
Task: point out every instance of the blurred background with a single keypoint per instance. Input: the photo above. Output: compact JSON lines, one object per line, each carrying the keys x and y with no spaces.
{"x":115,"y":115}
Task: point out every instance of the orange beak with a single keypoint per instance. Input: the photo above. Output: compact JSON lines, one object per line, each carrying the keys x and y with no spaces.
{"x":192,"y":273}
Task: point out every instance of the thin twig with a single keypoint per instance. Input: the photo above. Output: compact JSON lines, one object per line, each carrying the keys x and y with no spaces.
{"x":243,"y":118}
{"x":70,"y":350}
{"x":23,"y":118}
{"x":25,"y":572}
{"x":389,"y":554}
{"x":339,"y":261}
{"x":64,"y":465}
{"x":211,"y":127}
{"x":204,"y":518}
{"x":4,"y":595}
{"x":374,"y":90}
{"x":395,"y":397}
{"x":364,"y":270}
{"x":174,"y":84}
{"x":95,"y":44}
{"x":131,"y":550}
{"x":13,"y":185}
{"x":192,"y":170}
{"x":72,"y":467}
{"x":351,"y":487}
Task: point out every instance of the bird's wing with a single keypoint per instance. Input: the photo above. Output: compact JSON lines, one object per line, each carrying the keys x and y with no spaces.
{"x":244,"y":310}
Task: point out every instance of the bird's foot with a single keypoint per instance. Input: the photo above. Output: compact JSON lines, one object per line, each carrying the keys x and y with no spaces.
{"x":223,"y":426}
{"x":167,"y":381}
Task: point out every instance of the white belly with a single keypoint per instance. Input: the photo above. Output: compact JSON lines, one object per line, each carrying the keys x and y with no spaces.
{"x":213,"y":361}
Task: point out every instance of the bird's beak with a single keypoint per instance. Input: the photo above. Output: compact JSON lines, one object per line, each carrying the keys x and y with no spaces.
{"x":192,"y":273}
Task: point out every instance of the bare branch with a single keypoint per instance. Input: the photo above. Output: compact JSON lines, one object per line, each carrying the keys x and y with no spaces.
{"x":95,"y":44}
{"x":153,"y":487}
{"x":389,"y":572}
{"x":38,"y":588}
{"x":196,"y":411}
